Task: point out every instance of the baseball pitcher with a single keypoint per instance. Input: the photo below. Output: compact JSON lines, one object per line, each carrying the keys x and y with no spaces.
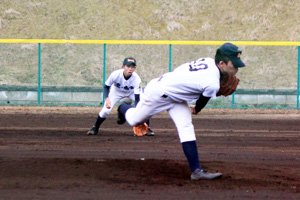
{"x":197,"y":81}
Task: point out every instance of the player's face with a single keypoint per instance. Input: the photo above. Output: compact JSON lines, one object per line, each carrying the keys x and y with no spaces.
{"x":128,"y":70}
{"x":229,"y":68}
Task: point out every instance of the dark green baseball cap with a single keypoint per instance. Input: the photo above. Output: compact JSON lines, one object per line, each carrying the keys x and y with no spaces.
{"x":232,"y":52}
{"x":129,"y":61}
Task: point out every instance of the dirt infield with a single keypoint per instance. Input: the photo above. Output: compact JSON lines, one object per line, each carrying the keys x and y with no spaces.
{"x":46,"y":154}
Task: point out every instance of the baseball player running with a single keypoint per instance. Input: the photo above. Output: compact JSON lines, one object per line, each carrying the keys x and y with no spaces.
{"x":121,"y":83}
{"x":194,"y":81}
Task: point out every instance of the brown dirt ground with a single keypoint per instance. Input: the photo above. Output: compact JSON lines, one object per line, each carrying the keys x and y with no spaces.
{"x":46,"y":154}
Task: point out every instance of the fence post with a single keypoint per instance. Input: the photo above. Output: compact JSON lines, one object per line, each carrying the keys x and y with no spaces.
{"x":232,"y":99}
{"x":298,"y":78}
{"x":104,"y":72}
{"x":39,"y":75}
{"x":170,"y":58}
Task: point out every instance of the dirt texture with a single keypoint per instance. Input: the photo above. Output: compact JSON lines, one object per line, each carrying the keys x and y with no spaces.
{"x":46,"y":154}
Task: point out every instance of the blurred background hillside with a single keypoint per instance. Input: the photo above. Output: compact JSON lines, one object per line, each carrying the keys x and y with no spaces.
{"x":151,"y":19}
{"x":81,"y":64}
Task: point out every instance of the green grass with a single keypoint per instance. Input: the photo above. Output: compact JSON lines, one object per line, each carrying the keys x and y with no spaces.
{"x":268,"y":67}
{"x":151,"y":19}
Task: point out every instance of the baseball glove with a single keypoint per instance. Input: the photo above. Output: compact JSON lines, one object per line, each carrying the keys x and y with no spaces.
{"x":228,"y":85}
{"x":140,"y":130}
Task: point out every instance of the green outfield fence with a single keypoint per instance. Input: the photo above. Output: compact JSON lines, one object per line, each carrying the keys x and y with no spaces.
{"x":56,"y":66}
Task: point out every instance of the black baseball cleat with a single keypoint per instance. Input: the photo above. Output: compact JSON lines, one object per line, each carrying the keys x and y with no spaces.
{"x":150,"y":132}
{"x":200,"y":174}
{"x":121,"y":118}
{"x":93,"y":131}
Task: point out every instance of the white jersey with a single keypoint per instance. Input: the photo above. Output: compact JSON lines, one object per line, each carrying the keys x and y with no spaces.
{"x":121,"y":84}
{"x":189,"y":80}
{"x":173,"y":91}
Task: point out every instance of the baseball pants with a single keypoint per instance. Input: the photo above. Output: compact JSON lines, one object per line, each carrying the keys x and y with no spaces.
{"x":154,"y":101}
{"x":115,"y":96}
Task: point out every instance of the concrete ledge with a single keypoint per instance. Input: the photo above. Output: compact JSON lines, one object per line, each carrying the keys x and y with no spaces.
{"x":266,"y":91}
{"x":58,"y":95}
{"x":50,"y":88}
{"x":51,"y":95}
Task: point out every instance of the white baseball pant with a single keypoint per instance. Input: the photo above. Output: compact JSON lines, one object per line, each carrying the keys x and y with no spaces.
{"x":115,"y":96}
{"x":153,"y":102}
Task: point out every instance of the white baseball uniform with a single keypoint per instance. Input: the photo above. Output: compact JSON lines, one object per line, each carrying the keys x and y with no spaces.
{"x":173,"y":91}
{"x":120,"y":88}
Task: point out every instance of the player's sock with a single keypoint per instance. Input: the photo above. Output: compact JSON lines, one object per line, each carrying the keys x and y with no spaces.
{"x":123,"y":108}
{"x":191,"y":153}
{"x":99,"y":122}
{"x":148,"y":122}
